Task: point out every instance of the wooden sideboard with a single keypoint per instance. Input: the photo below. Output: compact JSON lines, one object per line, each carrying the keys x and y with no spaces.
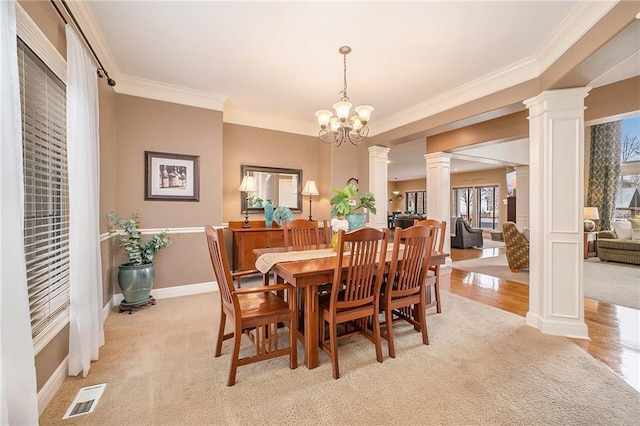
{"x":247,"y":239}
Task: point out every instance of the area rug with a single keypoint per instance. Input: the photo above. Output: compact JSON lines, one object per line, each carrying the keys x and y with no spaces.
{"x":610,"y":282}
{"x":483,"y":366}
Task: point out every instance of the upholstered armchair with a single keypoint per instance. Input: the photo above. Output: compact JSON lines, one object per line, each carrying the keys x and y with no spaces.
{"x":466,"y":236}
{"x":517,"y":247}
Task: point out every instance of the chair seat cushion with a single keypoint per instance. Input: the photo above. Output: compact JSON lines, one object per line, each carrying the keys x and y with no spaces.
{"x":619,"y":244}
{"x":259,"y":304}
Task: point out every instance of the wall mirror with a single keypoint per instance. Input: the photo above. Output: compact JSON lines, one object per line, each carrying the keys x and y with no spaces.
{"x":282,"y":186}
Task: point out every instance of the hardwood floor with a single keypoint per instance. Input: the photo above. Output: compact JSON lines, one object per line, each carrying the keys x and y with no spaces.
{"x":614,"y":330}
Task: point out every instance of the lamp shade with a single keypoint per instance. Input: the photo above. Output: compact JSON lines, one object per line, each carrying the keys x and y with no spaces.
{"x":248,"y":184}
{"x":591,"y":213}
{"x":310,"y":188}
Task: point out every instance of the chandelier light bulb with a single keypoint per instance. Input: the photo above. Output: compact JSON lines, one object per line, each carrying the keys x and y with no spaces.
{"x":355,"y":123}
{"x":324,"y":116}
{"x":364,"y":113}
{"x":342,"y":109}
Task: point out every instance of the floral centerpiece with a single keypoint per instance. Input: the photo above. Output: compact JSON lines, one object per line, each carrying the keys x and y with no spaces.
{"x":347,"y":203}
{"x":338,"y":224}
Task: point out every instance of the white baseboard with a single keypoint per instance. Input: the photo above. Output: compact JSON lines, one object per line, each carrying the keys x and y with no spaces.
{"x":50,"y":388}
{"x":167,"y":292}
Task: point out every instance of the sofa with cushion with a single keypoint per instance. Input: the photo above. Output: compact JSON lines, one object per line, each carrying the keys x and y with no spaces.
{"x":465,"y":236}
{"x":621,"y":243}
{"x":406,"y":220}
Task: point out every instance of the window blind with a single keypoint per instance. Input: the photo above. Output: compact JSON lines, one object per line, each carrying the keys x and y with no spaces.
{"x":46,"y":189}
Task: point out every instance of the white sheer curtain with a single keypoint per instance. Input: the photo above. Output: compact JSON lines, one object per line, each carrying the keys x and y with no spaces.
{"x":86,"y":333}
{"x":18,"y":393}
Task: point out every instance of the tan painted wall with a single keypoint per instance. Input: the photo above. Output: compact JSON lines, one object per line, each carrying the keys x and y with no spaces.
{"x":262,"y":147}
{"x":47,"y":19}
{"x":149,"y":125}
{"x":403,"y":187}
{"x":481,"y":178}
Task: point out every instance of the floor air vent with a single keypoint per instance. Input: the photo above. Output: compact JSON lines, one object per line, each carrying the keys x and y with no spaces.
{"x":85,"y":401}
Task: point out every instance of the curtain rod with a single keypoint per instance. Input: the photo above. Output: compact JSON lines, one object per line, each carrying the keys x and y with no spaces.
{"x":101,"y":71}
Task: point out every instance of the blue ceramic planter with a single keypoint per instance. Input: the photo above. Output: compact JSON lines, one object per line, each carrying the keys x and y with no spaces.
{"x":136,"y":282}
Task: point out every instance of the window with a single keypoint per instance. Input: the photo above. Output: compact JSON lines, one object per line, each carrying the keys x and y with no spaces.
{"x":417,"y":202}
{"x":46,"y":194}
{"x":485,"y":213}
{"x":627,"y":202}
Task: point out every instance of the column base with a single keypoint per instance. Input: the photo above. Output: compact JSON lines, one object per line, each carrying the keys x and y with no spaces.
{"x":558,"y":327}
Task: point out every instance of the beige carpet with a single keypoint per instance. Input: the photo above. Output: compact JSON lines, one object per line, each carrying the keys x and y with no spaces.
{"x":484,"y":366}
{"x":610,"y":282}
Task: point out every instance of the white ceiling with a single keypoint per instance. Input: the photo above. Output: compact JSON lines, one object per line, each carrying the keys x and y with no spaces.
{"x":272,"y":64}
{"x":407,"y":160}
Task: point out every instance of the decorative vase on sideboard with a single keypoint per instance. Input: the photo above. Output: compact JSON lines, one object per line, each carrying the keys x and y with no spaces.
{"x":268,"y":214}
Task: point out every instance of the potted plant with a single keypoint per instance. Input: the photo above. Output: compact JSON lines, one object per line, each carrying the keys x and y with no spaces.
{"x":135,"y":277}
{"x":346,"y":203}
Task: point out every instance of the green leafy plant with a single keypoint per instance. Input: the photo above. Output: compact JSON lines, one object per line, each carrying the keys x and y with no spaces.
{"x":346,"y":201}
{"x":130,"y":239}
{"x":254,"y":201}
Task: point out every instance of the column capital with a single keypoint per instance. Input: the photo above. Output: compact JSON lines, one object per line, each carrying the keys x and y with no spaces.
{"x":557,"y":99}
{"x":379,"y":151}
{"x":438,"y":157}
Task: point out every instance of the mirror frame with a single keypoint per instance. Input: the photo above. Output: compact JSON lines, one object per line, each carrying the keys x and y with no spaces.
{"x":246,"y":169}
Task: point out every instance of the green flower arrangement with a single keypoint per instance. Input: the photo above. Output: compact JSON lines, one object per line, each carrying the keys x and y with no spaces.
{"x":346,"y":201}
{"x":130,"y":239}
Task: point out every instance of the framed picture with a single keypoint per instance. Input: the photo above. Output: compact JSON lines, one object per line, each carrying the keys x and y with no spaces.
{"x":171,"y":177}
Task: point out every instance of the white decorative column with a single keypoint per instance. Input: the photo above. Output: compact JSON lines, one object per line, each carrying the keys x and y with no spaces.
{"x":522,"y":196}
{"x":556,"y":186}
{"x":378,"y":184}
{"x":439,"y":192}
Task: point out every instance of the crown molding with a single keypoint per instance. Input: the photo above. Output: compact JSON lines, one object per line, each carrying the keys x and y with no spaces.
{"x":91,"y":30}
{"x":128,"y":85}
{"x":575,"y":25}
{"x":504,"y":78}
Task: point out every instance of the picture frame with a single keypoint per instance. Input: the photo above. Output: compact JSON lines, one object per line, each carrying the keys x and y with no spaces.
{"x":171,"y":177}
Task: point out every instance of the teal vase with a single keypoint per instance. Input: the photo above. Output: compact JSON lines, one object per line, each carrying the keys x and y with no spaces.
{"x":356,"y":221}
{"x":268,"y":214}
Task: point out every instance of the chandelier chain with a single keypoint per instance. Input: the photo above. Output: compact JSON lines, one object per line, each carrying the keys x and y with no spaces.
{"x":345,"y":97}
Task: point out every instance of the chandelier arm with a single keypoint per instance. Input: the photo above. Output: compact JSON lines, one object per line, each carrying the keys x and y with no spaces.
{"x":327,"y":136}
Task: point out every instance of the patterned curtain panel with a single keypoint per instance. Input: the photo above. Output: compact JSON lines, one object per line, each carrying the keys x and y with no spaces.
{"x":604,"y":170}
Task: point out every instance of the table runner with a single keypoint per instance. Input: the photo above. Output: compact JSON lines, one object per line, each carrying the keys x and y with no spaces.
{"x":267,"y":260}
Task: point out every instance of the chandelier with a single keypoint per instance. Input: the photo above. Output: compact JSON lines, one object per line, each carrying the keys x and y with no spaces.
{"x":342,"y":127}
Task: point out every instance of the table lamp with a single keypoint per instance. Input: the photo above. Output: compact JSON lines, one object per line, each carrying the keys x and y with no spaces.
{"x":590,"y":214}
{"x":248,"y":184}
{"x":310,"y":188}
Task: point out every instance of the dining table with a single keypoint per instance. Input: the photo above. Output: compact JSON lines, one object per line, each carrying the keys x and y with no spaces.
{"x":307,"y":269}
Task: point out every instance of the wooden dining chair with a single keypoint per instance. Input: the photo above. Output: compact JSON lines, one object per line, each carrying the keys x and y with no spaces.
{"x":355,"y":294}
{"x":302,"y":234}
{"x":440,"y":229}
{"x":255,"y":311}
{"x":403,"y":294}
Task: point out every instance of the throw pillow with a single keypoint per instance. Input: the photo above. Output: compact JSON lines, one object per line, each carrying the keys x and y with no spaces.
{"x":635,"y":229}
{"x":525,"y":232}
{"x":623,"y":229}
